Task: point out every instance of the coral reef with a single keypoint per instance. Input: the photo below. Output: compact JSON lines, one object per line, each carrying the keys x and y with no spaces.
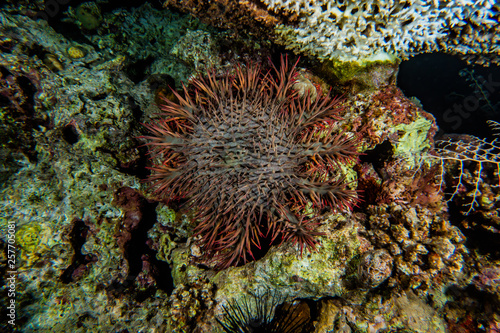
{"x":97,"y":251}
{"x":404,"y":312}
{"x":87,"y":15}
{"x":425,"y":246}
{"x":364,"y":32}
{"x":363,"y":40}
{"x":374,"y":268}
{"x":314,"y":275}
{"x":72,"y":234}
{"x":188,"y":306}
{"x":21,"y":99}
{"x":146,"y":44}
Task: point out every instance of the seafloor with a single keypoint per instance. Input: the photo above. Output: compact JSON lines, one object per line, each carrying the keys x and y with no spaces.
{"x":88,"y":246}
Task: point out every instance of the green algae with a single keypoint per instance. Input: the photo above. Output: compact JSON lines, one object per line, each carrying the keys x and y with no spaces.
{"x":314,"y":274}
{"x":363,"y":74}
{"x":413,"y":141}
{"x":88,"y":15}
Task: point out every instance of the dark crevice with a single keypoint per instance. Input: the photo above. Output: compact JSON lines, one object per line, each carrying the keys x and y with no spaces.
{"x":484,"y":241}
{"x":135,"y":108}
{"x":4,"y":72}
{"x":99,"y":97}
{"x":70,"y":135}
{"x":265,"y":246}
{"x":379,"y":155}
{"x":137,"y":71}
{"x":139,"y":218}
{"x":29,"y":90}
{"x":38,"y":51}
{"x":479,"y":305}
{"x":4,"y":101}
{"x":78,"y":236}
{"x":138,"y":251}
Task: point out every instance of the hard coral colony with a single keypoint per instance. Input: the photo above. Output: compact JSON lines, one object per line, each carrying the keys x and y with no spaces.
{"x":249,"y":154}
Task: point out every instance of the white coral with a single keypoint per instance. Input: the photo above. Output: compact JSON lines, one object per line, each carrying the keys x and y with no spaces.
{"x":354,"y":29}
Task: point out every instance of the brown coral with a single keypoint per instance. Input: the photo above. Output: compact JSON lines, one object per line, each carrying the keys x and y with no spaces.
{"x":427,"y":250}
{"x":240,"y":16}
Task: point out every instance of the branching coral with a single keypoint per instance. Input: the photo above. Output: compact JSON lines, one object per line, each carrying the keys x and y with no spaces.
{"x":250,"y":155}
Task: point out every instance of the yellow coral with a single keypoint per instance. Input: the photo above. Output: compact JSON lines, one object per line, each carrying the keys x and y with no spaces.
{"x":75,"y":52}
{"x":29,"y":238}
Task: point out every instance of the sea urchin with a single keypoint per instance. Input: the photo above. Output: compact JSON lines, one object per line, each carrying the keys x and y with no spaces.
{"x":264,"y":313}
{"x":249,"y":154}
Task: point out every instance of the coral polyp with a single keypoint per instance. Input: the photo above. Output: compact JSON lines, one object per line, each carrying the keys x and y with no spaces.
{"x":250,"y":155}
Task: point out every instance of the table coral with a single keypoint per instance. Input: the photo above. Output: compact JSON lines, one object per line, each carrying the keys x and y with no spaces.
{"x":351,"y":35}
{"x":353,"y":30}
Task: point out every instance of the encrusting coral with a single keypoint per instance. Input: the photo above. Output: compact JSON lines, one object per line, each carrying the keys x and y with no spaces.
{"x":251,"y":155}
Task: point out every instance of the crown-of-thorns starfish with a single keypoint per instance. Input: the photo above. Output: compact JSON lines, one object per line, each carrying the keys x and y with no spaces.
{"x":249,"y":154}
